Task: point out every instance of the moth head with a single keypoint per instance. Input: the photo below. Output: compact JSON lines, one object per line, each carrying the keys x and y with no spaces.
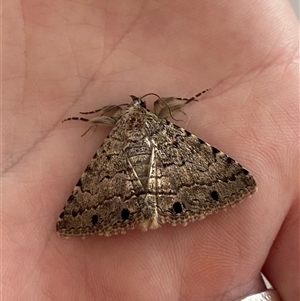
{"x":137,"y":102}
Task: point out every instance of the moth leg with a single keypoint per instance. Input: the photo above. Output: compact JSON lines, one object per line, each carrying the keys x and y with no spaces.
{"x":164,"y":107}
{"x":109,"y":110}
{"x":109,"y":116}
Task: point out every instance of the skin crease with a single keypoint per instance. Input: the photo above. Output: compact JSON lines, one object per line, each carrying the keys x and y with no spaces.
{"x":62,"y":57}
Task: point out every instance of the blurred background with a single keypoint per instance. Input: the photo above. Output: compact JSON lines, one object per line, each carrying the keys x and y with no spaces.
{"x":295,"y":5}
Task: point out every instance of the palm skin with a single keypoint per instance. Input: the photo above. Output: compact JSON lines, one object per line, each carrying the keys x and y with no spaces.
{"x":65,"y":57}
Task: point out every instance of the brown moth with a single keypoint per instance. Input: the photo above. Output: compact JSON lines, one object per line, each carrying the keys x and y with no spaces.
{"x":149,"y":171}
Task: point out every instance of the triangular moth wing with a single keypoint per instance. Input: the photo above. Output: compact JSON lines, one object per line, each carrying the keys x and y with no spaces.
{"x":194,"y":179}
{"x":108,"y":198}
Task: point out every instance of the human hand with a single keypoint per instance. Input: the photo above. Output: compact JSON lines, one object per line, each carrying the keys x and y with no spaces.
{"x":62,"y":58}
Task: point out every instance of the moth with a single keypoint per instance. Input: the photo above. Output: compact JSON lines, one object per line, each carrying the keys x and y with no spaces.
{"x":148,"y":172}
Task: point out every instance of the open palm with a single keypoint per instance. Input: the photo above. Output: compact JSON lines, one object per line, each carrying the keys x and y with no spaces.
{"x":64,"y":57}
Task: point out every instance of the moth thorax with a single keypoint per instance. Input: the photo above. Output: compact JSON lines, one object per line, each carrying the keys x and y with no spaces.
{"x":135,"y":135}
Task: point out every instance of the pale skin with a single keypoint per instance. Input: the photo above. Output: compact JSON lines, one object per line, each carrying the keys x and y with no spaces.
{"x":63,"y":57}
